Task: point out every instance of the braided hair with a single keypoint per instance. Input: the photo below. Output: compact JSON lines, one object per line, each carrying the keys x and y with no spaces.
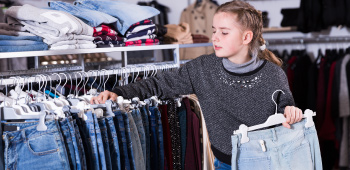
{"x":250,"y":19}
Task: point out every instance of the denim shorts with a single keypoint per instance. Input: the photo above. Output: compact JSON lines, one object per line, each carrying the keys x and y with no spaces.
{"x":28,"y":148}
{"x":278,"y":148}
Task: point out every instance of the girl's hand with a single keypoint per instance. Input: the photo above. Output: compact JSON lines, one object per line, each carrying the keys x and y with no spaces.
{"x":103,"y":96}
{"x":293,"y":115}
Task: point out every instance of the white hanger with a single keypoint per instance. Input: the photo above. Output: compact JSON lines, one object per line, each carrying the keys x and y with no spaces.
{"x":274,"y":119}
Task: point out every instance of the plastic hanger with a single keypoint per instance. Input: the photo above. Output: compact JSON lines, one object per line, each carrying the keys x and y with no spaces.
{"x":274,"y":119}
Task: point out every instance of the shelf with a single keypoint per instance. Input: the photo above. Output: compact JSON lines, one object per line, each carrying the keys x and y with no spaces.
{"x":85,"y":51}
{"x":195,"y":45}
{"x":279,"y":29}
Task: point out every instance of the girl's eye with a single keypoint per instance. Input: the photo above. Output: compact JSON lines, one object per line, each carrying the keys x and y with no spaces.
{"x":214,"y":32}
{"x":224,"y":33}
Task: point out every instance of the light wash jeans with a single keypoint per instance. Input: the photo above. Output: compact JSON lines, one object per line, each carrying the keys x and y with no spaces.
{"x":91,"y":17}
{"x":35,"y":149}
{"x":278,"y":148}
{"x":126,"y":13}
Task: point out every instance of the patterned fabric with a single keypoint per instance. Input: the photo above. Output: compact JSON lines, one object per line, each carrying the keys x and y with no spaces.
{"x":146,"y":41}
{"x":108,"y":38}
{"x":175,"y":133}
{"x":104,"y":30}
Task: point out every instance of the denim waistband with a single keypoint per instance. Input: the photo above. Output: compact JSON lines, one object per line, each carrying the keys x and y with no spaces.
{"x":28,"y":130}
{"x":272,"y":133}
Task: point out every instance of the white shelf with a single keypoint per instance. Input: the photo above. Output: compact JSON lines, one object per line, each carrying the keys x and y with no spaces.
{"x":85,"y":51}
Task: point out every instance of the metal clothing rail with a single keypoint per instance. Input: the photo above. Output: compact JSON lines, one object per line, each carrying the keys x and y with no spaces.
{"x":301,"y":40}
{"x":38,"y":75}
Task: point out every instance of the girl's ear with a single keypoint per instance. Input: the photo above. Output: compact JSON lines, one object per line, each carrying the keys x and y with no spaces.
{"x":247,"y":37}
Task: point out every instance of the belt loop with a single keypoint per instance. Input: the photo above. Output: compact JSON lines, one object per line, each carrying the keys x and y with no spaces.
{"x":24,"y":135}
{"x":274,"y":135}
{"x":239,"y":136}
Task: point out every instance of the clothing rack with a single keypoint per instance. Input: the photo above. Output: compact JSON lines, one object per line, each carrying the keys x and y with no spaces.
{"x":301,"y":40}
{"x":37,"y":75}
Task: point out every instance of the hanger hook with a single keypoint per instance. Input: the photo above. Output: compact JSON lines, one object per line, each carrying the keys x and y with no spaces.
{"x":58,"y":83}
{"x":85,"y":82}
{"x":274,"y":99}
{"x":104,"y":85}
{"x":116,"y":78}
{"x":64,"y":82}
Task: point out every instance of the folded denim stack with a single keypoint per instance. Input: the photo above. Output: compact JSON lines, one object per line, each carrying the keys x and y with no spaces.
{"x":21,"y":43}
{"x":52,"y":25}
{"x":15,"y":30}
{"x":126,"y":13}
{"x":105,"y":36}
{"x":141,"y":33}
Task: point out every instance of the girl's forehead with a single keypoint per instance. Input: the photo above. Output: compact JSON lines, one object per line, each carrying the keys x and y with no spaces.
{"x":225,"y":19}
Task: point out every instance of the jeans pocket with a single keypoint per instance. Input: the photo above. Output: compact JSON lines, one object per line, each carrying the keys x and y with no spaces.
{"x":43,"y":145}
{"x":258,"y":163}
{"x":299,"y":158}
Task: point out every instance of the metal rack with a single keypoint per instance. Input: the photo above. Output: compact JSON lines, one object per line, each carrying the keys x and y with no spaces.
{"x":302,"y":40}
{"x":127,"y":68}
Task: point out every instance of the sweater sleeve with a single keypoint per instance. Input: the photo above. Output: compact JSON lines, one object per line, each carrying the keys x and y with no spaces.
{"x":164,"y":85}
{"x":285,"y":99}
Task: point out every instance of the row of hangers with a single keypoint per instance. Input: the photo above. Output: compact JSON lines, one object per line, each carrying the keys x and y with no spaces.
{"x":21,"y":105}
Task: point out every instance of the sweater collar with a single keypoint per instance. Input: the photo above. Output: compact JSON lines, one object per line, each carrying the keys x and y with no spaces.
{"x":251,"y":65}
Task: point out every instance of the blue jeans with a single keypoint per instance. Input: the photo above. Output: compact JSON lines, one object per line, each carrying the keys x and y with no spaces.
{"x":32,"y":38}
{"x":35,"y":149}
{"x":129,"y":141}
{"x":145,"y":122}
{"x":136,"y":144}
{"x":136,"y":114}
{"x":80,"y":145}
{"x":295,"y":148}
{"x":91,"y":138}
{"x":20,"y":42}
{"x":182,"y":119}
{"x":154,"y":141}
{"x":113,"y":144}
{"x":126,"y":13}
{"x":91,"y":17}
{"x":220,"y":165}
{"x":123,"y":145}
{"x":85,"y":144}
{"x":160,"y":137}
{"x":38,"y":47}
{"x":100,"y":148}
{"x":68,"y":143}
{"x":103,"y":128}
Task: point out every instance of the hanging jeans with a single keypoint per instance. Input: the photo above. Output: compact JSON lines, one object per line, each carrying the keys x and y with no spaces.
{"x":104,"y":134}
{"x":136,"y":114}
{"x":113,"y":144}
{"x":28,"y":148}
{"x":278,"y":148}
{"x":145,"y":122}
{"x":123,"y":145}
{"x":68,"y":142}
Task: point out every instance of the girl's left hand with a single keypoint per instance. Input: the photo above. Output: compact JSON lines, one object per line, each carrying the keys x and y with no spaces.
{"x":293,"y":115}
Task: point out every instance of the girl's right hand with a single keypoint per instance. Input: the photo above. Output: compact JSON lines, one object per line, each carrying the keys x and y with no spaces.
{"x":102,"y":97}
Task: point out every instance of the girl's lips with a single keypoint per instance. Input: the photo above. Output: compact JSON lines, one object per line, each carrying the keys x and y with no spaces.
{"x":217,"y":47}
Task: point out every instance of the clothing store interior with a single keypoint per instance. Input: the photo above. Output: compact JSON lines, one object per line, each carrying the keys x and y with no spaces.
{"x":57,"y":56}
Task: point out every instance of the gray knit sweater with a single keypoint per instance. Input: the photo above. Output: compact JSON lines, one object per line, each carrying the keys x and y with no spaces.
{"x":227,"y":99}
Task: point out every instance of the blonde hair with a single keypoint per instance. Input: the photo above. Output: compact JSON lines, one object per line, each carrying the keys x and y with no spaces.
{"x":250,"y":19}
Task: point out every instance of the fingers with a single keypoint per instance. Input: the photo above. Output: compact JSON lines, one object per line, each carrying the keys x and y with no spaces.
{"x":293,"y":115}
{"x":287,"y":114}
{"x":103,"y":97}
{"x":285,"y":124}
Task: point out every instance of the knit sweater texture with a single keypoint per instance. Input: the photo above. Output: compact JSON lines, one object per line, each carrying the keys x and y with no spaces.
{"x":227,"y":99}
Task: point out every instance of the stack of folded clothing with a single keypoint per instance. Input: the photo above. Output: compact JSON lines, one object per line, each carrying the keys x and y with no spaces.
{"x":141,"y":33}
{"x":105,"y":36}
{"x":178,"y":34}
{"x":21,"y":43}
{"x":15,"y":30}
{"x":199,"y":38}
{"x":54,"y":26}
